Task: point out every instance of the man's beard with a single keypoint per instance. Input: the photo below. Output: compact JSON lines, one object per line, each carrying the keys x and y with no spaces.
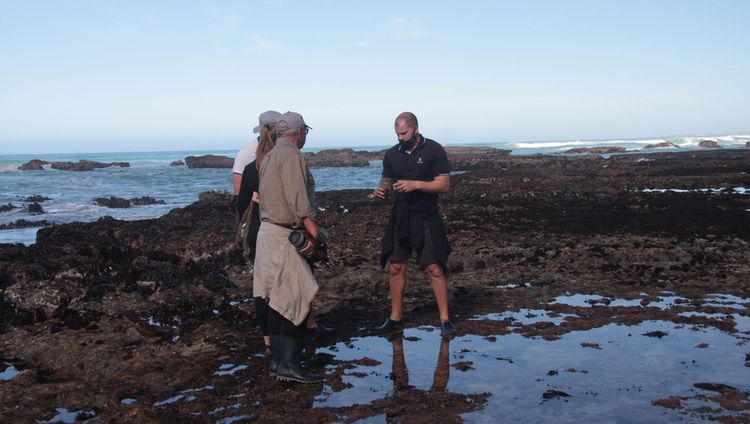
{"x":410,"y":142}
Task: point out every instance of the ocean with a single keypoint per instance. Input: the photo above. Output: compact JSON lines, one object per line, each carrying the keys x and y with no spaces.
{"x":71,"y":193}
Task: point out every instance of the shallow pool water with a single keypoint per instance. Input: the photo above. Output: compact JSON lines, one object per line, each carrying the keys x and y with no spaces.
{"x":611,"y":373}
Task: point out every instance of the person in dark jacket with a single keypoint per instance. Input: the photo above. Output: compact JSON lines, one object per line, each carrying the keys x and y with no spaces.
{"x":248,"y":199}
{"x":416,"y":170}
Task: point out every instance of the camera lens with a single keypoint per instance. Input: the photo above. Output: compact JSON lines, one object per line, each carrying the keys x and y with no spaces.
{"x":298,"y":239}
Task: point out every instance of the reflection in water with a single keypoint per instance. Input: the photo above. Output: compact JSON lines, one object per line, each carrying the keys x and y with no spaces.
{"x":400,"y":373}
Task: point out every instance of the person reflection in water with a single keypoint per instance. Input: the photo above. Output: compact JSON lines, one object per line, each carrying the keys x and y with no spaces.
{"x":400,"y":374}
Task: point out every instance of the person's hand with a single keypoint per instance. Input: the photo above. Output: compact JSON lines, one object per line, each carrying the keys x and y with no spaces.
{"x":406,"y":186}
{"x":256,"y":197}
{"x":379,"y":193}
{"x":308,"y":249}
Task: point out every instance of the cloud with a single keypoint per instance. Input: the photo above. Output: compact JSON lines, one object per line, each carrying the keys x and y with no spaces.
{"x":261,"y":44}
{"x":407,"y":28}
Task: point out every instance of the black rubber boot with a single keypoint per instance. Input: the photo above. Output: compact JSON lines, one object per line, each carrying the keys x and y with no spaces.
{"x":289,"y":368}
{"x":274,"y":354}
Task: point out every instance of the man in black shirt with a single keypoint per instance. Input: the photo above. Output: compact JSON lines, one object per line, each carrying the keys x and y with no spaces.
{"x":416,"y":170}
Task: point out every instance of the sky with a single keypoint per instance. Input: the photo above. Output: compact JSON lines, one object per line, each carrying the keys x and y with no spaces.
{"x":103,"y":75}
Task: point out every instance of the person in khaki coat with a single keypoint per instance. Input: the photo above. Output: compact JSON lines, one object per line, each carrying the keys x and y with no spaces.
{"x":282,"y":275}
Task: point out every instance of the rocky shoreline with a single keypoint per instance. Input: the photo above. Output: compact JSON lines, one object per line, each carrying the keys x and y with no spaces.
{"x":126,"y":320}
{"x":471,"y":157}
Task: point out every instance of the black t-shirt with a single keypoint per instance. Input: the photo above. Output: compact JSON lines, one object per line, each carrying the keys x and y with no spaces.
{"x":427,"y":161}
{"x":248,"y":185}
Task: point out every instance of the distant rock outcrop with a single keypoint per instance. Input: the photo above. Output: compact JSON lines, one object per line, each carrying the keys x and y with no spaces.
{"x":177,"y":162}
{"x":709,"y":144}
{"x":146,"y":200}
{"x":120,"y":203}
{"x":475,"y":158}
{"x":341,"y":158}
{"x":36,"y":198}
{"x":112,"y":202}
{"x":34,"y":208}
{"x":664,"y":145}
{"x":8,"y":207}
{"x":209,"y":161}
{"x":461,"y":158}
{"x":33,"y":165}
{"x":86,"y":165}
{"x":597,"y":150}
{"x":22,"y":223}
{"x":747,"y":144}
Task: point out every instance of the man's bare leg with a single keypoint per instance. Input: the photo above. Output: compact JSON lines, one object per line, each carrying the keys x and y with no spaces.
{"x":397,"y":271}
{"x":440,"y":287}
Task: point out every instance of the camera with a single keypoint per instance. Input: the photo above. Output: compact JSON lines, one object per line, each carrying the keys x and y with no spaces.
{"x":299,"y":238}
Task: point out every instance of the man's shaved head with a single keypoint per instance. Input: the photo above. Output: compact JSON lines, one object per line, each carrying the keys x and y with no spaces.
{"x":407,"y":118}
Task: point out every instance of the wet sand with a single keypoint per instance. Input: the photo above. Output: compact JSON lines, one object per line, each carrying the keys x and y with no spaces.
{"x":584,"y":289}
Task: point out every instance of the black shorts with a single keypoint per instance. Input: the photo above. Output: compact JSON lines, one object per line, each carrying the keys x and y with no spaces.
{"x":403,"y":253}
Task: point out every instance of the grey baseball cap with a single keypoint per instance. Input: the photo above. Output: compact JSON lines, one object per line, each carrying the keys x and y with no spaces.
{"x":265,"y":118}
{"x":290,"y":121}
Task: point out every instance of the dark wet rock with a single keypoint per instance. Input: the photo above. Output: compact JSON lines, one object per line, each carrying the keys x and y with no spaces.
{"x":34,"y":208}
{"x":340,"y":157}
{"x":552,"y":372}
{"x":591,"y":345}
{"x":657,"y":334}
{"x":551,"y":394}
{"x":713,"y":387}
{"x":178,"y":162}
{"x":747,"y":144}
{"x":33,"y":165}
{"x":672,"y":402}
{"x":702,"y":346}
{"x":214,"y":196}
{"x":209,"y":161}
{"x":86,"y":165}
{"x":111,"y":310}
{"x":596,"y":150}
{"x":146,"y":200}
{"x":8,"y":207}
{"x":471,"y":159}
{"x":22,"y":223}
{"x":112,"y":202}
{"x":463,"y":366}
{"x":36,"y":198}
{"x":709,"y":144}
{"x":663,"y":145}
{"x":461,"y":158}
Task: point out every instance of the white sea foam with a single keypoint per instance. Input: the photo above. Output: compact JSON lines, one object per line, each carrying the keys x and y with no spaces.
{"x":735,"y":190}
{"x":9,"y":167}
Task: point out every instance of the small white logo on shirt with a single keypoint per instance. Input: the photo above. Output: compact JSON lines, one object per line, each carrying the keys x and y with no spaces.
{"x":419,"y":160}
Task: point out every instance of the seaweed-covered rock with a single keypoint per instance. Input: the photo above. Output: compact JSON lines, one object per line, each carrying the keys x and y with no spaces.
{"x":178,"y":162}
{"x":709,"y":144}
{"x":209,"y":161}
{"x":146,"y":200}
{"x":8,"y":207}
{"x":112,"y":202}
{"x":340,"y":158}
{"x":22,"y":223}
{"x":664,"y":145}
{"x":159,"y":312}
{"x":86,"y":165}
{"x":596,"y":150}
{"x":34,"y":208}
{"x":33,"y":165}
{"x":36,"y":198}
